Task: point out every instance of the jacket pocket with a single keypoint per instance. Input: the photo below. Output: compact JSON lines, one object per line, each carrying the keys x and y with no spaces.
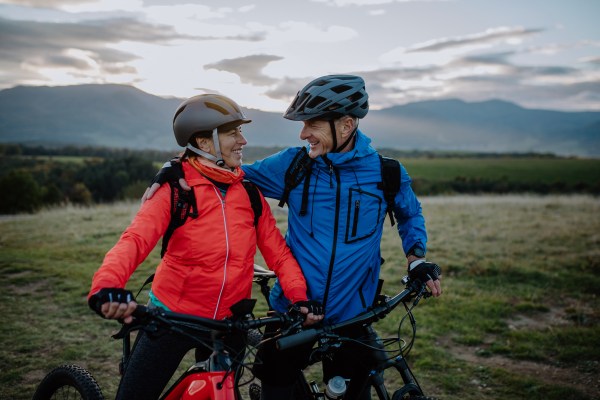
{"x":364,"y":211}
{"x":185,"y":282}
{"x":364,"y":285}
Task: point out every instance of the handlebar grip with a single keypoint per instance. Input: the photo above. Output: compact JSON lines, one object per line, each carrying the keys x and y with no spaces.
{"x":139,"y":312}
{"x":297,"y":339}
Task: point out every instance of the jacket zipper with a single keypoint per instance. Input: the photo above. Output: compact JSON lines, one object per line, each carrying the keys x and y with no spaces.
{"x":226,"y":241}
{"x":355,"y":225}
{"x":185,"y":281}
{"x":330,"y":176}
{"x":335,"y":233}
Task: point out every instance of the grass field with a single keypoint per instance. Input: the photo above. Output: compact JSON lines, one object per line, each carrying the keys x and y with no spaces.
{"x":519,"y":317}
{"x":546,"y":170}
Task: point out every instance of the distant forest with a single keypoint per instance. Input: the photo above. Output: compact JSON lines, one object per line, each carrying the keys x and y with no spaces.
{"x":43,"y":176}
{"x":251,"y":153}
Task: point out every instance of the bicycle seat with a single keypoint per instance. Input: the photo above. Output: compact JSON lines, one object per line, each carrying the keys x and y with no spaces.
{"x":260,"y":271}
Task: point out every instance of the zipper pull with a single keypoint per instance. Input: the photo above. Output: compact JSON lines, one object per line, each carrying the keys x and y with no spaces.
{"x":357,"y":204}
{"x":331,"y":176}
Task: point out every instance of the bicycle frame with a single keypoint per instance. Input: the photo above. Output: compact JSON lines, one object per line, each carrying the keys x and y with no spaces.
{"x":212,"y":379}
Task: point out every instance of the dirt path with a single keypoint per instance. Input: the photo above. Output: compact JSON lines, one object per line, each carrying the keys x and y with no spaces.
{"x":586,"y":382}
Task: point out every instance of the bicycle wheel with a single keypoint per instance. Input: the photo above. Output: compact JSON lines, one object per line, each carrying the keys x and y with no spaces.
{"x":420,"y":398}
{"x":68,"y":382}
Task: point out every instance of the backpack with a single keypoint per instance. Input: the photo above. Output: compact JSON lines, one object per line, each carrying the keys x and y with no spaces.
{"x":183,"y":205}
{"x":301,"y":169}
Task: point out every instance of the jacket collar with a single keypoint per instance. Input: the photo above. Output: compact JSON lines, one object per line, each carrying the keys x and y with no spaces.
{"x":362,"y":148}
{"x":194,"y":178}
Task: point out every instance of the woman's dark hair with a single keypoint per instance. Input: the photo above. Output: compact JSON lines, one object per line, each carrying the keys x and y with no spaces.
{"x":202,"y":134}
{"x":206,"y":135}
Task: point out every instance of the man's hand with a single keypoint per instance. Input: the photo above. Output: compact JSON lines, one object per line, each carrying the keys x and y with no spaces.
{"x":113,"y":303}
{"x":429,"y":273}
{"x":313,"y":309}
{"x":171,"y":171}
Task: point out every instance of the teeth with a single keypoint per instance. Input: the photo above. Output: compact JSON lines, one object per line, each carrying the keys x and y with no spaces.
{"x":237,"y":151}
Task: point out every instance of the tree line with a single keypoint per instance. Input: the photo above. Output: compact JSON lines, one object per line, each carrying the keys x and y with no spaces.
{"x":30,"y":184}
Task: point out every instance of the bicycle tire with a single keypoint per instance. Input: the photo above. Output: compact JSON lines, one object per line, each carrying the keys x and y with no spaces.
{"x":421,"y":398}
{"x":68,"y":380}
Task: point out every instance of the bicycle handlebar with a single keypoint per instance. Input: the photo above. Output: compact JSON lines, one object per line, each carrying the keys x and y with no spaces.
{"x":366,"y":317}
{"x":142,"y":312}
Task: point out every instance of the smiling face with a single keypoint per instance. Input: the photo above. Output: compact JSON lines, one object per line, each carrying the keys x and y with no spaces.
{"x":318,"y":134}
{"x":231,"y":143}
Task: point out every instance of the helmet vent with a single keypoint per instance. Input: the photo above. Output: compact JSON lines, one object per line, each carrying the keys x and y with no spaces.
{"x":231,"y":103}
{"x":216,"y":107}
{"x":179,"y":112}
{"x":340,"y":88}
{"x":315,"y":102}
{"x":351,"y":106}
{"x":321,"y":83}
{"x":334,"y":107}
{"x":302,"y":102}
{"x":354,"y":97}
{"x":365,"y":106}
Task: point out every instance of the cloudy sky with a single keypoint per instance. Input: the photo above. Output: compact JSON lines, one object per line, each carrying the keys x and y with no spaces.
{"x":537,"y":53}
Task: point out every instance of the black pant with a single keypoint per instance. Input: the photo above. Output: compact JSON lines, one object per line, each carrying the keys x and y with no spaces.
{"x":153,"y":361}
{"x":282,"y":368}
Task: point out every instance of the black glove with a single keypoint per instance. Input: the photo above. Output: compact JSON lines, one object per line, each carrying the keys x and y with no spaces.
{"x":170,"y":172}
{"x":425,"y":271}
{"x":109,"y":295}
{"x":315,"y":307}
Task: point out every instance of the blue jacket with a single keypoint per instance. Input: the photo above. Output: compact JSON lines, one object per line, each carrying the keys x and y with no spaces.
{"x":337,"y":242}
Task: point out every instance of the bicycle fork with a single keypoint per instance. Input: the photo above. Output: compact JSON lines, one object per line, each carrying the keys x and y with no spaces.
{"x":380,"y":360}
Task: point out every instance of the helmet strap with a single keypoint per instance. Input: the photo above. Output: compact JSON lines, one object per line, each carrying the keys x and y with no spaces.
{"x":218,"y":159}
{"x":334,"y":135}
{"x":343,"y":146}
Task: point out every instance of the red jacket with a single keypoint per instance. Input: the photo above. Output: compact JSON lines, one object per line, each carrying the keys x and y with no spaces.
{"x":209,"y":262}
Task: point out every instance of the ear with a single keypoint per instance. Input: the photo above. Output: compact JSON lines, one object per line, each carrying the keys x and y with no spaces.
{"x":347,"y":127}
{"x":204,"y":144}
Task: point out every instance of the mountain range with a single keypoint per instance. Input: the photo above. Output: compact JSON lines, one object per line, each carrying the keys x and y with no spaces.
{"x":122,"y":116}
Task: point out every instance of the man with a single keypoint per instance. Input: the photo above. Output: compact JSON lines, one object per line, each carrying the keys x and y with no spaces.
{"x":335,"y":217}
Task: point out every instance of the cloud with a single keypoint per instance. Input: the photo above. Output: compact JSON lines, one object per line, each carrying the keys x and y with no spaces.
{"x":377,"y":12}
{"x":343,"y":3}
{"x":247,"y":8}
{"x":248,"y":68}
{"x":30,"y":46}
{"x":488,"y":36}
{"x":591,"y":60}
{"x":46,"y":3}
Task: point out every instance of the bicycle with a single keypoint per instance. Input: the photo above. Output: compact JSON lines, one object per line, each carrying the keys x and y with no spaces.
{"x":218,"y":377}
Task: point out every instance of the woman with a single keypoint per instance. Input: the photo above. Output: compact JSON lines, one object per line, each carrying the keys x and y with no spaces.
{"x":208,"y":265}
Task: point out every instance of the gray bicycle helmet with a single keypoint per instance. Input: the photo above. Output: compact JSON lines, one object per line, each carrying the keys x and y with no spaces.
{"x":330,"y":97}
{"x":206,"y":113}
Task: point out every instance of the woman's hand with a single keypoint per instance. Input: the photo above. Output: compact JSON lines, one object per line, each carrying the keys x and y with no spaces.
{"x":117,"y":310}
{"x":313,"y":310}
{"x":113,"y":303}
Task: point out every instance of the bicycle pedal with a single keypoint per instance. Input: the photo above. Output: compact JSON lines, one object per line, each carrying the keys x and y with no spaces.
{"x":254,"y":392}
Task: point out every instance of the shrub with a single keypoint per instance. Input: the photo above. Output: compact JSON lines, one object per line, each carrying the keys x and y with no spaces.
{"x":20,"y":193}
{"x":51,"y":194}
{"x":79,"y":194}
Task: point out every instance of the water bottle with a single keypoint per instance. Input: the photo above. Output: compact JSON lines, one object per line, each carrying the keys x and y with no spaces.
{"x":336,"y":388}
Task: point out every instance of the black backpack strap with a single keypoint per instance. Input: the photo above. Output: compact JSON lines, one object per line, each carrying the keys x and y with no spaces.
{"x":296,"y":172}
{"x":255,"y":200}
{"x":304,"y":206}
{"x":390,"y":182}
{"x":149,"y":280}
{"x":183,"y":205}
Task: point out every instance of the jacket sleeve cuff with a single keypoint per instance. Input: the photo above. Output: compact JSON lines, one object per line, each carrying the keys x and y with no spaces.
{"x":296,"y":294}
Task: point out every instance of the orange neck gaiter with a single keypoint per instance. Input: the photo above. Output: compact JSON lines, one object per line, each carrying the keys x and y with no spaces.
{"x":212,"y":171}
